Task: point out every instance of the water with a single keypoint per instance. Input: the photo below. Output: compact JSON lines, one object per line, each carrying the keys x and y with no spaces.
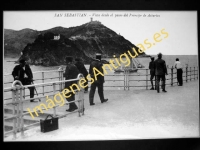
{"x":111,"y":77}
{"x":192,"y":60}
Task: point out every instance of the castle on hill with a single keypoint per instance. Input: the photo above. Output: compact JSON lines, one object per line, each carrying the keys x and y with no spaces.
{"x":94,"y":22}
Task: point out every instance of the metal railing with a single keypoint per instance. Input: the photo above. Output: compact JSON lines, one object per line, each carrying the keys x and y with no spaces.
{"x":18,"y":100}
{"x":189,"y":73}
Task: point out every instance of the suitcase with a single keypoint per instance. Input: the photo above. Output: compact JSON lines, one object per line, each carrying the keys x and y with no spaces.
{"x":49,"y":124}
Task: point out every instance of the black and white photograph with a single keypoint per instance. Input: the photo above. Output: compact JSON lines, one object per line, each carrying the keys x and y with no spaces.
{"x":96,"y":75}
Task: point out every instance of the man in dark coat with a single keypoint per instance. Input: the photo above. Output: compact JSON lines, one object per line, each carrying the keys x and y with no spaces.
{"x":71,"y":72}
{"x":80,"y":65}
{"x":98,"y":82}
{"x":160,"y":72}
{"x":23,"y":73}
{"x":152,"y":72}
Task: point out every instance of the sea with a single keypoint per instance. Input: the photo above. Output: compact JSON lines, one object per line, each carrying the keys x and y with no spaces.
{"x":113,"y":80}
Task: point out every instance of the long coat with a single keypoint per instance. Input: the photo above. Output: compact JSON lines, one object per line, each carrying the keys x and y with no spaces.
{"x":160,"y":67}
{"x":20,"y":72}
{"x":71,"y":72}
{"x":98,"y":65}
{"x":81,"y":68}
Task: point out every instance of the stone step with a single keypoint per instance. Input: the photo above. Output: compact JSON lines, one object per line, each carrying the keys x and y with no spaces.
{"x":27,"y":119}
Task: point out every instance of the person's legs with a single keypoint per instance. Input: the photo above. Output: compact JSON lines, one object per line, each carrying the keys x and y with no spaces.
{"x":31,"y":91}
{"x":92,"y":92}
{"x":72,"y":106}
{"x":179,"y":76}
{"x":100,"y":92}
{"x":158,"y":83}
{"x":163,"y":83}
{"x":151,"y":79}
{"x":86,"y":83}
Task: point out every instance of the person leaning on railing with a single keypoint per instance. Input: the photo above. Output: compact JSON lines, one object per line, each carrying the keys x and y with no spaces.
{"x":71,"y":72}
{"x":178,"y":66}
{"x":23,"y":73}
{"x":80,"y":65}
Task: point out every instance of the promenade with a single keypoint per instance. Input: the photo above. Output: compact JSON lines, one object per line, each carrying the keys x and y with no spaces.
{"x":130,"y":114}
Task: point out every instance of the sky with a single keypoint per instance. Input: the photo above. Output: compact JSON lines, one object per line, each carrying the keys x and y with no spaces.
{"x":168,"y":32}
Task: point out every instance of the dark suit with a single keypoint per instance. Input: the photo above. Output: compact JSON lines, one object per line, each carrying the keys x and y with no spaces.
{"x":84,"y":71}
{"x":97,"y":83}
{"x":71,"y":72}
{"x":160,"y":71}
{"x":20,"y":72}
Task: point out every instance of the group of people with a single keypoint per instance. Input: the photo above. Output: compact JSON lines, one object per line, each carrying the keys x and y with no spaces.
{"x":158,"y":70}
{"x":23,"y":73}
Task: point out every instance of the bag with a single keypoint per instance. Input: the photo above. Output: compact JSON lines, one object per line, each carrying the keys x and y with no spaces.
{"x":49,"y":124}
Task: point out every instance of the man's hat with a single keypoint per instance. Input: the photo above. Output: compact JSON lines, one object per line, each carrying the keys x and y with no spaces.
{"x":22,"y":61}
{"x":159,"y":54}
{"x":98,"y":56}
{"x":69,"y":58}
{"x":152,"y":57}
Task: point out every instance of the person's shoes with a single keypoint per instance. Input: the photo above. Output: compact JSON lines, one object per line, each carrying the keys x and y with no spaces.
{"x":32,"y":100}
{"x":164,"y":91}
{"x":152,"y":88}
{"x":105,"y":100}
{"x":180,"y":85}
{"x":92,"y":104}
{"x":158,"y":91}
{"x":71,"y":109}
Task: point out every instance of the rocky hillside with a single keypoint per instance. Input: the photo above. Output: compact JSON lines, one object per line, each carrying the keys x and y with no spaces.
{"x":15,"y":41}
{"x":50,"y":47}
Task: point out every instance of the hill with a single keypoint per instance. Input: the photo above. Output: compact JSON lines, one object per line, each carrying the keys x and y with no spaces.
{"x":50,"y":47}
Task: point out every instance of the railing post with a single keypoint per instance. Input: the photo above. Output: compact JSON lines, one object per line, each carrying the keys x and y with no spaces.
{"x":194,"y":73}
{"x":21,"y":110}
{"x":60,"y":88}
{"x":14,"y":113}
{"x":124,"y":79}
{"x":190,"y":73}
{"x":146,"y":79}
{"x":81,"y":98}
{"x":128,"y":72}
{"x":172,"y":76}
{"x":54,"y":91}
{"x":18,"y":111}
{"x":186,"y":72}
{"x":155,"y":82}
{"x":43,"y":81}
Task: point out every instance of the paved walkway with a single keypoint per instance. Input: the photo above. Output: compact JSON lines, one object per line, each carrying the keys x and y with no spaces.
{"x":134,"y":114}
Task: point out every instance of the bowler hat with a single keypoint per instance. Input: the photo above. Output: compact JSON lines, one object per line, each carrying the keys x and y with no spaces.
{"x":98,"y":56}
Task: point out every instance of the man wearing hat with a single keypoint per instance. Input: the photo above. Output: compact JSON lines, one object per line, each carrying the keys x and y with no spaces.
{"x":160,"y":72}
{"x":80,"y":65}
{"x":152,"y":72}
{"x":97,"y":64}
{"x":23,"y":73}
{"x":71,"y":72}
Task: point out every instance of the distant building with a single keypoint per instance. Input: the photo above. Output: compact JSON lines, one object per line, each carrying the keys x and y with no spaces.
{"x":57,"y":37}
{"x":94,"y":22}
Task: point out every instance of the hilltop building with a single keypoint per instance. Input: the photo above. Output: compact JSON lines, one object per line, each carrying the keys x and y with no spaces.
{"x":57,"y":37}
{"x":94,"y":22}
